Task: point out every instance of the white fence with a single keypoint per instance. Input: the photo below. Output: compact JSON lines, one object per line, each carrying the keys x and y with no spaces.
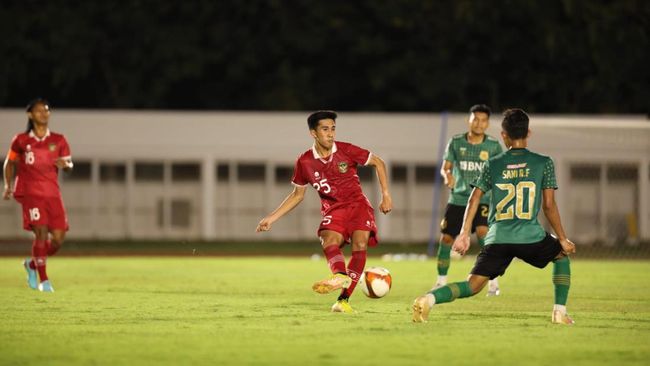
{"x":213,"y":175}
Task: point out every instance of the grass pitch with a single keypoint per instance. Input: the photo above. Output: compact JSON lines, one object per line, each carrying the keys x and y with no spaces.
{"x":261,"y":311}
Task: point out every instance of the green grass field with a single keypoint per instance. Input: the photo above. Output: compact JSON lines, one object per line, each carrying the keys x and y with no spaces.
{"x":261,"y":311}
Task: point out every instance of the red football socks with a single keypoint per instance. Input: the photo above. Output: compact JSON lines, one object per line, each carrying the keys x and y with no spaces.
{"x":51,"y":249}
{"x":335,"y":258}
{"x":355,"y":268}
{"x":39,"y":258}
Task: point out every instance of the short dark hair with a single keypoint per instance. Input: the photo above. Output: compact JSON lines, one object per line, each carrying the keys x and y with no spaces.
{"x":515,"y":123}
{"x":480,"y":108}
{"x":315,"y":117}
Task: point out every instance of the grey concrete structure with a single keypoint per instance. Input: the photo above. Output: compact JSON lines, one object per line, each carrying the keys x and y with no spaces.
{"x":213,"y":175}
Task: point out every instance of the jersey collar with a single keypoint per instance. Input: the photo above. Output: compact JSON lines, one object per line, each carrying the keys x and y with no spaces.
{"x":33,"y":135}
{"x":316,"y":156}
{"x":467,"y":138}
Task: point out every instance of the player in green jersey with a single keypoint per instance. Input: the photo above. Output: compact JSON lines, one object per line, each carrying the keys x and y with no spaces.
{"x":464,"y":158}
{"x":521,"y":183}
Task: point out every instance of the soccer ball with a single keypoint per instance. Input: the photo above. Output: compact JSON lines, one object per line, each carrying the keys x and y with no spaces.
{"x":375,"y":282}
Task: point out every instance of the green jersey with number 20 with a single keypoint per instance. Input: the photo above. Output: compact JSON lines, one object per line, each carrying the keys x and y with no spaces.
{"x":516,"y":179}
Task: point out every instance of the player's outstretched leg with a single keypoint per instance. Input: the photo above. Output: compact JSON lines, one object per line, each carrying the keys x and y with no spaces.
{"x":562,"y":283}
{"x":335,"y":282}
{"x":448,"y":293}
{"x":32,"y":280}
{"x":339,"y":278}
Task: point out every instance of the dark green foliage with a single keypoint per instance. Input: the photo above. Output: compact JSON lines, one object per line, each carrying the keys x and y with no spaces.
{"x":545,"y":56}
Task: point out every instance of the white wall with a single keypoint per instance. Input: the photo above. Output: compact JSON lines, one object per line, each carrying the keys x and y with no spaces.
{"x":231,"y":209}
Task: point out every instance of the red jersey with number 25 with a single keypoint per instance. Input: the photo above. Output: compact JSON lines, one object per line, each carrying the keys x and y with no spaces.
{"x":335,"y":178}
{"x":37,"y":173}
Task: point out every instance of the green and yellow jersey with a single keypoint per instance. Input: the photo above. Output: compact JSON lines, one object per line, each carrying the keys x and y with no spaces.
{"x":516,"y":179}
{"x":468,"y":161}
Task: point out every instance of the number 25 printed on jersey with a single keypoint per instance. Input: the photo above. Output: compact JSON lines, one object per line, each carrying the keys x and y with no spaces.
{"x":322,"y":184}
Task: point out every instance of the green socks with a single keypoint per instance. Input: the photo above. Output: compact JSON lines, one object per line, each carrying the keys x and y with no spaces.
{"x":451,"y":292}
{"x":562,"y":279}
{"x":444,"y":252}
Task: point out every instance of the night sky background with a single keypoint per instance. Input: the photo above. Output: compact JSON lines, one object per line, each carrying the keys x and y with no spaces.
{"x":570,"y":56}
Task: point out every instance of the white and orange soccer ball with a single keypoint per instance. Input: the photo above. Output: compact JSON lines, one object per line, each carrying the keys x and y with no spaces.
{"x":375,"y":282}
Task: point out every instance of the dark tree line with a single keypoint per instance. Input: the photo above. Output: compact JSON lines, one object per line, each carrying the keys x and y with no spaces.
{"x":557,"y":56}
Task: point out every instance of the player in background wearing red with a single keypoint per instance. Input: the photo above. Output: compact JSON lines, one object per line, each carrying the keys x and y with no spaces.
{"x":331,"y":168}
{"x":35,"y":158}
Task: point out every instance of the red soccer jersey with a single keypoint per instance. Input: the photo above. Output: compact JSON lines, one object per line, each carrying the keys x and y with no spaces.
{"x":335,"y":178}
{"x":37,"y":173}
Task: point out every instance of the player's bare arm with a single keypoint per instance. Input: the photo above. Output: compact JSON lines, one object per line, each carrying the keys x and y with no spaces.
{"x":386,"y":204}
{"x":461,"y":244}
{"x":553,"y":216}
{"x":445,"y":171}
{"x":293,"y":199}
{"x":9,"y":168}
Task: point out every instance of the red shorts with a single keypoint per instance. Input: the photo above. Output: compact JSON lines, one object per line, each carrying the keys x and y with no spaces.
{"x":349,"y":218}
{"x":43,"y":211}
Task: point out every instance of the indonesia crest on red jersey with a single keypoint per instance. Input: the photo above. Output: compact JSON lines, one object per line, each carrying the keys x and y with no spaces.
{"x":335,"y":178}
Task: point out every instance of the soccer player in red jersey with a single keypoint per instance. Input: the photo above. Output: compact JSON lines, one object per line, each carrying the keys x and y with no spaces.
{"x":331,"y":168}
{"x":35,"y":158}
